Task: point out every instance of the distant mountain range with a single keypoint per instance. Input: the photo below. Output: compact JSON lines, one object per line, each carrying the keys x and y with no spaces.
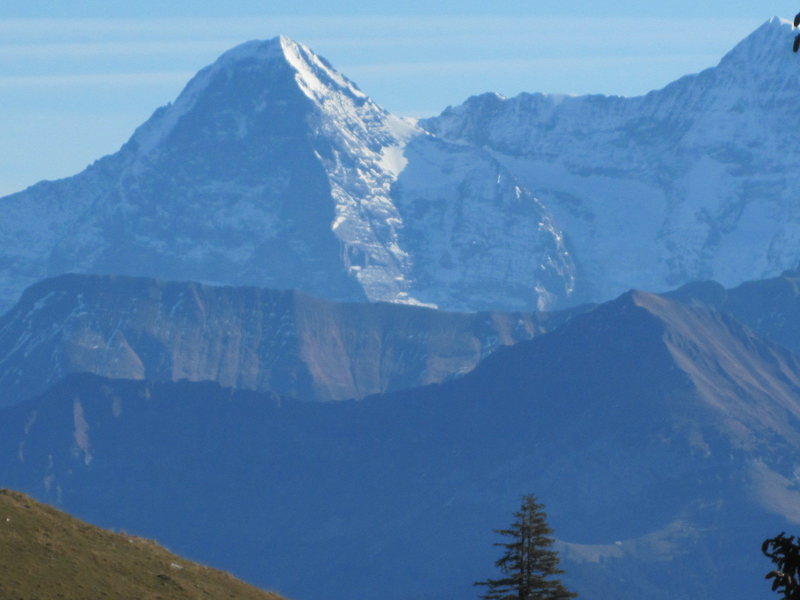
{"x":47,"y":554}
{"x":291,"y":343}
{"x":271,"y":169}
{"x":663,"y":437}
{"x":247,"y":338}
{"x":325,"y":237}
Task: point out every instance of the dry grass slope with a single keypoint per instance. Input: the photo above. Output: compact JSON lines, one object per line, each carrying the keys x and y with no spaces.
{"x":48,"y":555}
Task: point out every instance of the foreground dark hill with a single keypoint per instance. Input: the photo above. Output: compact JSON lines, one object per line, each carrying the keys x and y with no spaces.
{"x":663,"y":438}
{"x":48,"y":554}
{"x":247,"y":338}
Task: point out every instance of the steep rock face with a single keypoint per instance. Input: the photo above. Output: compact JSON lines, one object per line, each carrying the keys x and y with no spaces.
{"x":271,"y":169}
{"x":248,"y":338}
{"x":694,"y":181}
{"x":643,"y":402}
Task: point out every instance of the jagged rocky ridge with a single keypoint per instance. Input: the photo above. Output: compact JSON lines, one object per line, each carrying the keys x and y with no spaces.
{"x":662,"y":436}
{"x":273,"y":170}
{"x":248,"y":338}
{"x":694,"y":181}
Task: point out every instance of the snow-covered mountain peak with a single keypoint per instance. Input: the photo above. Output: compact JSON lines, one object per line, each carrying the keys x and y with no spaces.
{"x":270,"y":49}
{"x":273,"y":169}
{"x":767,"y":47}
{"x":250,"y":71}
{"x":315,"y":75}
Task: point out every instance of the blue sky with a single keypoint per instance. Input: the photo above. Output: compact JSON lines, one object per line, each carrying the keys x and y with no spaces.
{"x":77,"y":77}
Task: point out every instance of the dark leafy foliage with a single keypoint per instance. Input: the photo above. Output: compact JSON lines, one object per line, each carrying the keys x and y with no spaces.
{"x":784,"y":552}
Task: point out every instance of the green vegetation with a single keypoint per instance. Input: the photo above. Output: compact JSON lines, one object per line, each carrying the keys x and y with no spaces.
{"x":528,"y":563}
{"x":48,"y":555}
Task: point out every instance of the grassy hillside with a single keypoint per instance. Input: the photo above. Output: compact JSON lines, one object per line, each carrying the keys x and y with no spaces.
{"x":46,"y":554}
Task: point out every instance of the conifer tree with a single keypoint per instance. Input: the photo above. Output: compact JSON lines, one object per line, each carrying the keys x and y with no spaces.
{"x":528,"y":563}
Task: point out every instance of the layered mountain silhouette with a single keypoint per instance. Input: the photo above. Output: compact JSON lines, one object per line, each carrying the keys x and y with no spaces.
{"x":662,"y":436}
{"x":662,"y":432}
{"x":770,"y":306}
{"x":273,"y":170}
{"x":291,"y":343}
{"x":247,"y":338}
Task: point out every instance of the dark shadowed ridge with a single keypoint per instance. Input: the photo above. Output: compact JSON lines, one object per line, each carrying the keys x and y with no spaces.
{"x":769,"y":306}
{"x":599,"y":418}
{"x":646,"y":343}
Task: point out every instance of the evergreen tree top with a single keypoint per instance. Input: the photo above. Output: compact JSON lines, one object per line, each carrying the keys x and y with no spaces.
{"x":528,"y":562}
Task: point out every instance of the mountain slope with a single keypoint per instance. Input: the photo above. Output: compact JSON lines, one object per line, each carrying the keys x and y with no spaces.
{"x":286,"y":342}
{"x":273,"y":170}
{"x":662,"y":437}
{"x":694,"y":181}
{"x":47,"y":554}
{"x":769,"y":306}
